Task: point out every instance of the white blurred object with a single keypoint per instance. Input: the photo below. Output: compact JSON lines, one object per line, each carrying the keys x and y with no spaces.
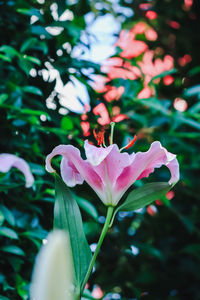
{"x":53,"y":272}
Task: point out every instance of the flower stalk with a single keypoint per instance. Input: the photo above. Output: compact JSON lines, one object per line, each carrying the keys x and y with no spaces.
{"x":102,"y":236}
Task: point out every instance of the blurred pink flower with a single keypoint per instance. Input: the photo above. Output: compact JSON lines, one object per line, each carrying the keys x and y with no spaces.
{"x":130,"y":46}
{"x":8,"y":161}
{"x":108,"y":171}
{"x":101,"y":110}
{"x":114,"y":93}
{"x":86,"y":128}
{"x":180,"y":104}
{"x":145,"y":93}
{"x":119,"y":118}
{"x":115,"y":67}
{"x":152,"y":68}
{"x":139,"y":28}
{"x":98,"y":83}
{"x":97,"y":292}
{"x":151,"y":34}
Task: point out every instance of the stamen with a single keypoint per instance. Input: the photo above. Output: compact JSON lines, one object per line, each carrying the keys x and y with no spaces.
{"x":95,"y":135}
{"x":99,"y":137}
{"x":130,"y":144}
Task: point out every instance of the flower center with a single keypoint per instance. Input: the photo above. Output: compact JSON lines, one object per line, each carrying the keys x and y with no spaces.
{"x":99,"y":137}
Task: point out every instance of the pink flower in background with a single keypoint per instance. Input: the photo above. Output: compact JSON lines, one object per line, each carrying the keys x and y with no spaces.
{"x":114,"y":93}
{"x":108,"y":171}
{"x":151,"y":34}
{"x":152,"y":68}
{"x":86,"y":128}
{"x":143,"y":28}
{"x":145,"y":93}
{"x":139,"y":28}
{"x":98,"y":83}
{"x":8,"y":161}
{"x":115,"y":67}
{"x":97,"y":292}
{"x":130,"y":46}
{"x":180,"y":104}
{"x":101,"y":110}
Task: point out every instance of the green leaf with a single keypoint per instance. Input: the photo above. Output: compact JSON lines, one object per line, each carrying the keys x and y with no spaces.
{"x":67,"y":123}
{"x":8,"y":232}
{"x":32,"y":59}
{"x":32,"y":90}
{"x":6,"y":58}
{"x":7,"y":215}
{"x":87,"y":207}
{"x":143,"y":196}
{"x":192,"y":91}
{"x":67,"y":217}
{"x":9,"y":51}
{"x":28,"y":43}
{"x":3,"y":98}
{"x":13,"y":249}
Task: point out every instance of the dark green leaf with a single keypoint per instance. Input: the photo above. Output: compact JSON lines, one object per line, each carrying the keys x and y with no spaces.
{"x":8,"y":232}
{"x":3,"y":98}
{"x":13,"y":249}
{"x":67,"y":217}
{"x":87,"y":207}
{"x":7,"y":215}
{"x":144,"y":195}
{"x":32,"y":90}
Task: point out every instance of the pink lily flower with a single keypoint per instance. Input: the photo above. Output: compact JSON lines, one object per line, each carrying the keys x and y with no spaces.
{"x":108,"y":171}
{"x":7,"y":161}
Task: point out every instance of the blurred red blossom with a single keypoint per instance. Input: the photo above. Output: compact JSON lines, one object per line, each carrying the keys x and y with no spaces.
{"x":182,"y":61}
{"x":152,"y":210}
{"x":151,"y":15}
{"x":167,"y":80}
{"x":173,"y":24}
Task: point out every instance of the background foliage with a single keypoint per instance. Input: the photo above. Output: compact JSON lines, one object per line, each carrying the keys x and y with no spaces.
{"x":146,"y":255}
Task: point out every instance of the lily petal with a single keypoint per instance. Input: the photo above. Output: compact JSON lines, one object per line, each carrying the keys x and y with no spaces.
{"x":144,"y":163}
{"x":95,"y":155}
{"x":69,"y":173}
{"x":7,"y":161}
{"x":78,"y":167}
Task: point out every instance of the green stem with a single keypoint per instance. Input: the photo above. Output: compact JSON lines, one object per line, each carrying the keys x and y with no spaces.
{"x":102,"y":236}
{"x":112,"y":124}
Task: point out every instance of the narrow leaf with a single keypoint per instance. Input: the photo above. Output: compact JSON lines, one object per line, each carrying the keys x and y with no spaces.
{"x":8,"y":232}
{"x":67,"y":217}
{"x":13,"y":249}
{"x":143,"y":196}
